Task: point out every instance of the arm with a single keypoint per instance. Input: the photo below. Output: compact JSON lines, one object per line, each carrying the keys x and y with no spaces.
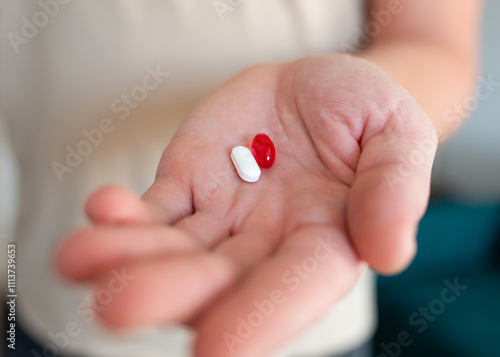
{"x":440,"y":39}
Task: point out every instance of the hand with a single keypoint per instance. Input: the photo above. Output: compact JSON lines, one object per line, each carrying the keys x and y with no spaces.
{"x":207,"y":248}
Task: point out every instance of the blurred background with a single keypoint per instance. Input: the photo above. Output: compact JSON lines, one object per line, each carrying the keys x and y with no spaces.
{"x":459,"y":239}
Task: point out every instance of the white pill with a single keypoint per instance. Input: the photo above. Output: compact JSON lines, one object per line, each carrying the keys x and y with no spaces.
{"x":245,"y":164}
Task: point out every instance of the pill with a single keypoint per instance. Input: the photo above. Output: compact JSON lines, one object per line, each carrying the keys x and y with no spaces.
{"x":245,"y":164}
{"x":263,"y":150}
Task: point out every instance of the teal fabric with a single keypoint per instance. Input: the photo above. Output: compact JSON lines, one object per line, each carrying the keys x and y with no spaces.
{"x":458,"y":244}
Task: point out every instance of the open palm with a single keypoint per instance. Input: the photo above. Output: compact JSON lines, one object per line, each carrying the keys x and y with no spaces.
{"x":251,"y":264}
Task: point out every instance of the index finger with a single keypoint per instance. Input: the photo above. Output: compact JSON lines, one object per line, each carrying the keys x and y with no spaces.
{"x":314,"y":268}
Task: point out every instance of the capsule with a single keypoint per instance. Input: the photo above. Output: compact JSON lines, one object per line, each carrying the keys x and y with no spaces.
{"x":263,"y":150}
{"x":245,"y":164}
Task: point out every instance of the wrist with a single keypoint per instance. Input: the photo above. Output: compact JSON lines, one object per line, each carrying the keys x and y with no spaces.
{"x":440,"y":78}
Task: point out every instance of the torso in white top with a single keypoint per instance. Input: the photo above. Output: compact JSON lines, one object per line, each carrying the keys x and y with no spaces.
{"x":73,"y":73}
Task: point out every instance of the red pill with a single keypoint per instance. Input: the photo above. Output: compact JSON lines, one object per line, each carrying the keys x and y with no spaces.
{"x":263,"y":150}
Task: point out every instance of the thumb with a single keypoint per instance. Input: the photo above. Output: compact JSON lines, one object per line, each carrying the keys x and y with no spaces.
{"x":391,"y":190}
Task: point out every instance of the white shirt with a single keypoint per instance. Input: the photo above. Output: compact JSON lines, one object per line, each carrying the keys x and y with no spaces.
{"x":66,"y":69}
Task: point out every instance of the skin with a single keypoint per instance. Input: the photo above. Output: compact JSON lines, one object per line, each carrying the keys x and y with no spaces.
{"x":210,"y":244}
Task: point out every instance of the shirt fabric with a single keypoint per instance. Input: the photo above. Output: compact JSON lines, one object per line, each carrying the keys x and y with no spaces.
{"x":121,"y":75}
